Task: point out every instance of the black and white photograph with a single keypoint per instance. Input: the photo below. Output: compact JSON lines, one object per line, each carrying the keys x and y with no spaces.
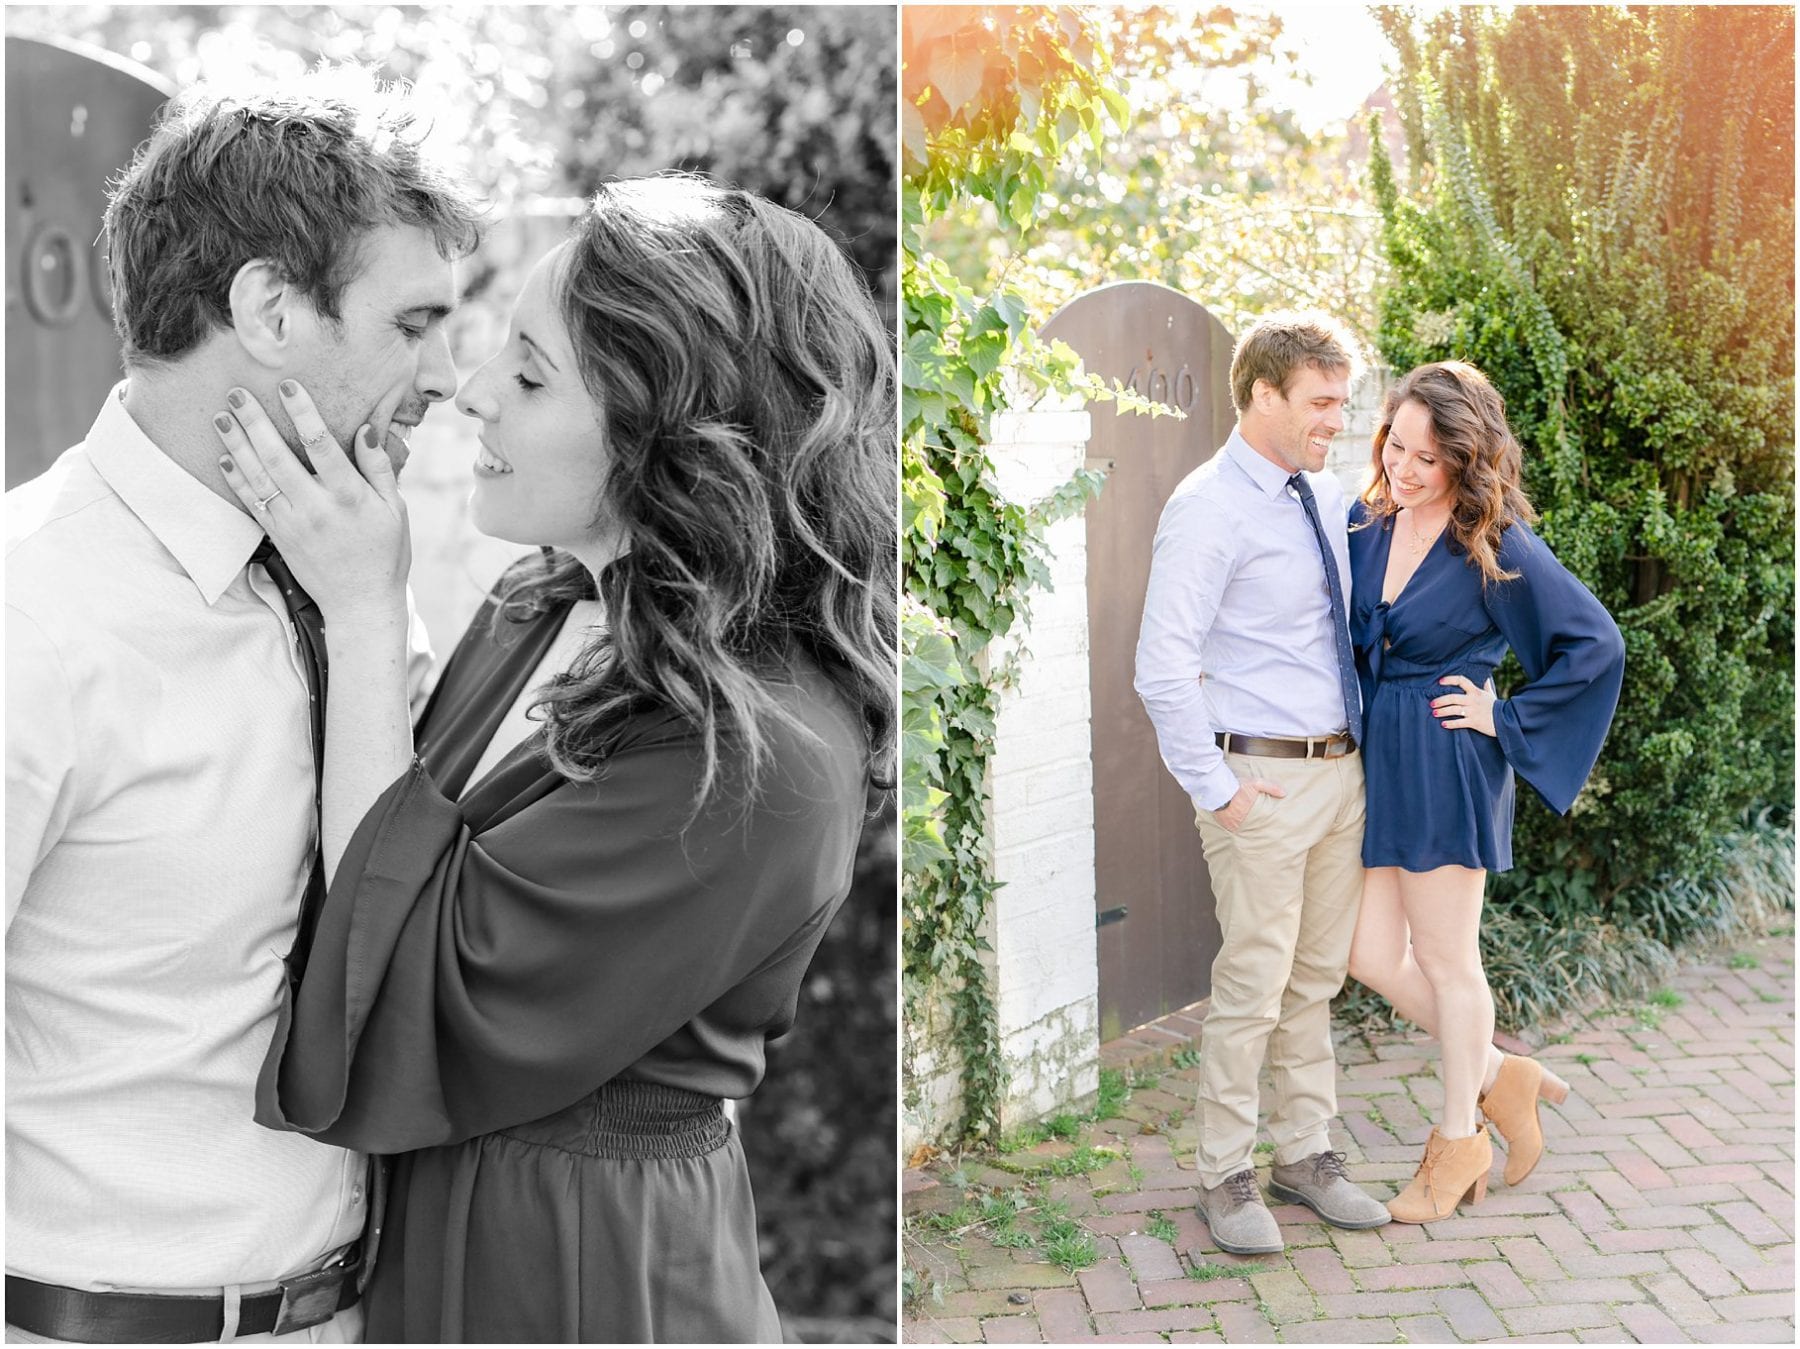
{"x":451,"y":465}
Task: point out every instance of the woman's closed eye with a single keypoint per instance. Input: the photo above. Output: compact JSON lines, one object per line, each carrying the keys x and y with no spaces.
{"x":526,"y":384}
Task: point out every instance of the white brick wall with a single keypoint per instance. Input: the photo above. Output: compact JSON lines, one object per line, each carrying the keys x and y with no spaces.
{"x":1041,"y":793}
{"x":1044,"y":965}
{"x":931,"y":1109}
{"x":1349,"y":457}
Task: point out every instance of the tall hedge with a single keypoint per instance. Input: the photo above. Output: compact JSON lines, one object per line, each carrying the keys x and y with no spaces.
{"x":1598,"y":210}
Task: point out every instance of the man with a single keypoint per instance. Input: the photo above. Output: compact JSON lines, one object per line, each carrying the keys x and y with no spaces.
{"x":1244,"y":665}
{"x":161,"y":813}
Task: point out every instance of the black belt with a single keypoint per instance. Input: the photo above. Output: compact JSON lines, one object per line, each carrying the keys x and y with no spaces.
{"x":1280,"y":747}
{"x":155,"y":1318}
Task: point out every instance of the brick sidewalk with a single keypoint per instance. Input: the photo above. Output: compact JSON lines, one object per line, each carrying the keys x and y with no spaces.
{"x":1662,"y":1212}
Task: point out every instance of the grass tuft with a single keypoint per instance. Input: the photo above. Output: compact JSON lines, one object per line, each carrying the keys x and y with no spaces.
{"x":1206,"y":1273}
{"x":1066,"y":1243}
{"x":952,"y":1220}
{"x":1113,"y":1094}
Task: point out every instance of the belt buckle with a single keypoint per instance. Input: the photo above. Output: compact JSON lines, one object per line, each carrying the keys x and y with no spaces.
{"x":309,"y":1299}
{"x":1337,"y":751}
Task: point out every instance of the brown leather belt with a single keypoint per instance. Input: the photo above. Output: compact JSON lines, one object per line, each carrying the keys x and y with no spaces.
{"x":1276,"y":747}
{"x":154,"y":1318}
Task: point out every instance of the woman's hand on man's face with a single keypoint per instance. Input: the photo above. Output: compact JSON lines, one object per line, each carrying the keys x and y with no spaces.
{"x":341,"y":529}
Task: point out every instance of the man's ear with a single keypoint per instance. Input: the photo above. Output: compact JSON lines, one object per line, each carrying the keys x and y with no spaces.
{"x":1264,"y":396}
{"x":267,"y":313}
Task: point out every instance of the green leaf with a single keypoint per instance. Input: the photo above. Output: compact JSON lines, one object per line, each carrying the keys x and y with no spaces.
{"x":956,"y":69}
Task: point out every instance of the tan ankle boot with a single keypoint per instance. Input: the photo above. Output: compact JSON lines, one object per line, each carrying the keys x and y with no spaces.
{"x":1511,"y":1105}
{"x":1454,"y":1169}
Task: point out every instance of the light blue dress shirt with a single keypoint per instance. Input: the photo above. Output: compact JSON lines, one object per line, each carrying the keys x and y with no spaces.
{"x":1237,"y":620}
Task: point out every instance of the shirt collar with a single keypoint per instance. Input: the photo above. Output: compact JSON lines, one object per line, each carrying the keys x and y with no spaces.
{"x":209,"y":537}
{"x":1270,"y":479}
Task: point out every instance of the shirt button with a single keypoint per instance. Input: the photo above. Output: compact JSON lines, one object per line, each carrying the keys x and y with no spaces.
{"x":356,"y":1195}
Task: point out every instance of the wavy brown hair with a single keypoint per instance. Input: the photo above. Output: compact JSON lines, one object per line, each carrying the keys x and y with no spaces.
{"x":1475,"y":448}
{"x":745,"y":384}
{"x":298,"y":173}
{"x":1276,"y":346}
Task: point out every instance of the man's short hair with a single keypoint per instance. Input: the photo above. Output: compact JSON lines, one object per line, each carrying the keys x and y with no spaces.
{"x":1275,"y":346}
{"x":297,"y":175}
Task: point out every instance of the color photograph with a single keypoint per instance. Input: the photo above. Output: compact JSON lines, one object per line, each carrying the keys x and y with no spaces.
{"x":1347,"y":641}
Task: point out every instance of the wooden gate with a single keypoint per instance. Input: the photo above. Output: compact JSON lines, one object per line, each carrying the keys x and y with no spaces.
{"x":1157,"y":929}
{"x":73,"y":117}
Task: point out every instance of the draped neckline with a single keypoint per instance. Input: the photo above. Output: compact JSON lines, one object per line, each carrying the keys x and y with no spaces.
{"x":480,"y":685}
{"x":1390,"y":527}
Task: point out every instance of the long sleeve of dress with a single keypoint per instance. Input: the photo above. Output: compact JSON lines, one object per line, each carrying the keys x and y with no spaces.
{"x":1552,"y":729}
{"x":469,"y":982}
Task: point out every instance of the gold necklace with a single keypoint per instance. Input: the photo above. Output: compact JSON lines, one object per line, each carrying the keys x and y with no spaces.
{"x":1418,"y":542}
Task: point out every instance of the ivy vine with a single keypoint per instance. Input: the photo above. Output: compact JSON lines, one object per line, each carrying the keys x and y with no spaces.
{"x":991,"y":99}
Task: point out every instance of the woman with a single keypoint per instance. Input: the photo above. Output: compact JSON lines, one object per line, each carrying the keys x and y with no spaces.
{"x":560,"y":936}
{"x":1446,"y":574}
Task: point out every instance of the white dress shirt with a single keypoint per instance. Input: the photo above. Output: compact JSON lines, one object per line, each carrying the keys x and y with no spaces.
{"x":160,"y":828}
{"x":1237,"y":632}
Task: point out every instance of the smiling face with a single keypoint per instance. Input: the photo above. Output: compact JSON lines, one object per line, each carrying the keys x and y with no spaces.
{"x":542,"y":465}
{"x":1412,"y":461}
{"x":1295,"y":429}
{"x":388,"y":359}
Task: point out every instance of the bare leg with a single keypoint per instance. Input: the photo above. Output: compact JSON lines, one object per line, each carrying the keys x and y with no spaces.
{"x":1443,"y":915}
{"x":1381,"y":956}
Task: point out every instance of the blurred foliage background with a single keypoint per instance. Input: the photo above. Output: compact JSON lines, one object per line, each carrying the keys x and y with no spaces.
{"x":538,"y":105}
{"x":1212,"y":186}
{"x":1569,"y":198}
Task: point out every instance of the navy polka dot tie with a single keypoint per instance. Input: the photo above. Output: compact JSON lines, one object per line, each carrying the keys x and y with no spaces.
{"x":1340,"y":624}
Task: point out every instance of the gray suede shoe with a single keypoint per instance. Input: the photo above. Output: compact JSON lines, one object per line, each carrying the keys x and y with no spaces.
{"x":1320,"y":1182}
{"x":1239,"y":1220}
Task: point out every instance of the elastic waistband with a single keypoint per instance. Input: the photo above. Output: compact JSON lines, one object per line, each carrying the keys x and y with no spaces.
{"x":1428,"y":680}
{"x":633,"y":1121}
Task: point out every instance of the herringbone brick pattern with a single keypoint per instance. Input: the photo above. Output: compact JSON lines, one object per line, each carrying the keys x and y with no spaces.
{"x":1663,"y":1211}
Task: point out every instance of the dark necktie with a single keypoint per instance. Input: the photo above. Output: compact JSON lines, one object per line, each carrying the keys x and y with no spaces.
{"x":309,"y":627}
{"x":1340,"y":625}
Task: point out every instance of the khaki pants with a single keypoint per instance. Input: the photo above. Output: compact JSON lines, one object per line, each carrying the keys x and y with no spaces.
{"x":1287,"y":885}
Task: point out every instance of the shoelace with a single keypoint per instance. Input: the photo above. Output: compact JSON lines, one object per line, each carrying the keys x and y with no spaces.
{"x":1242,"y":1187}
{"x":1433,"y":1152}
{"x":1329,"y":1166}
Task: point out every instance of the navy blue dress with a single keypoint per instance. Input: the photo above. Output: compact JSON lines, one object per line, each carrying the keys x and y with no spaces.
{"x":1440,"y":797}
